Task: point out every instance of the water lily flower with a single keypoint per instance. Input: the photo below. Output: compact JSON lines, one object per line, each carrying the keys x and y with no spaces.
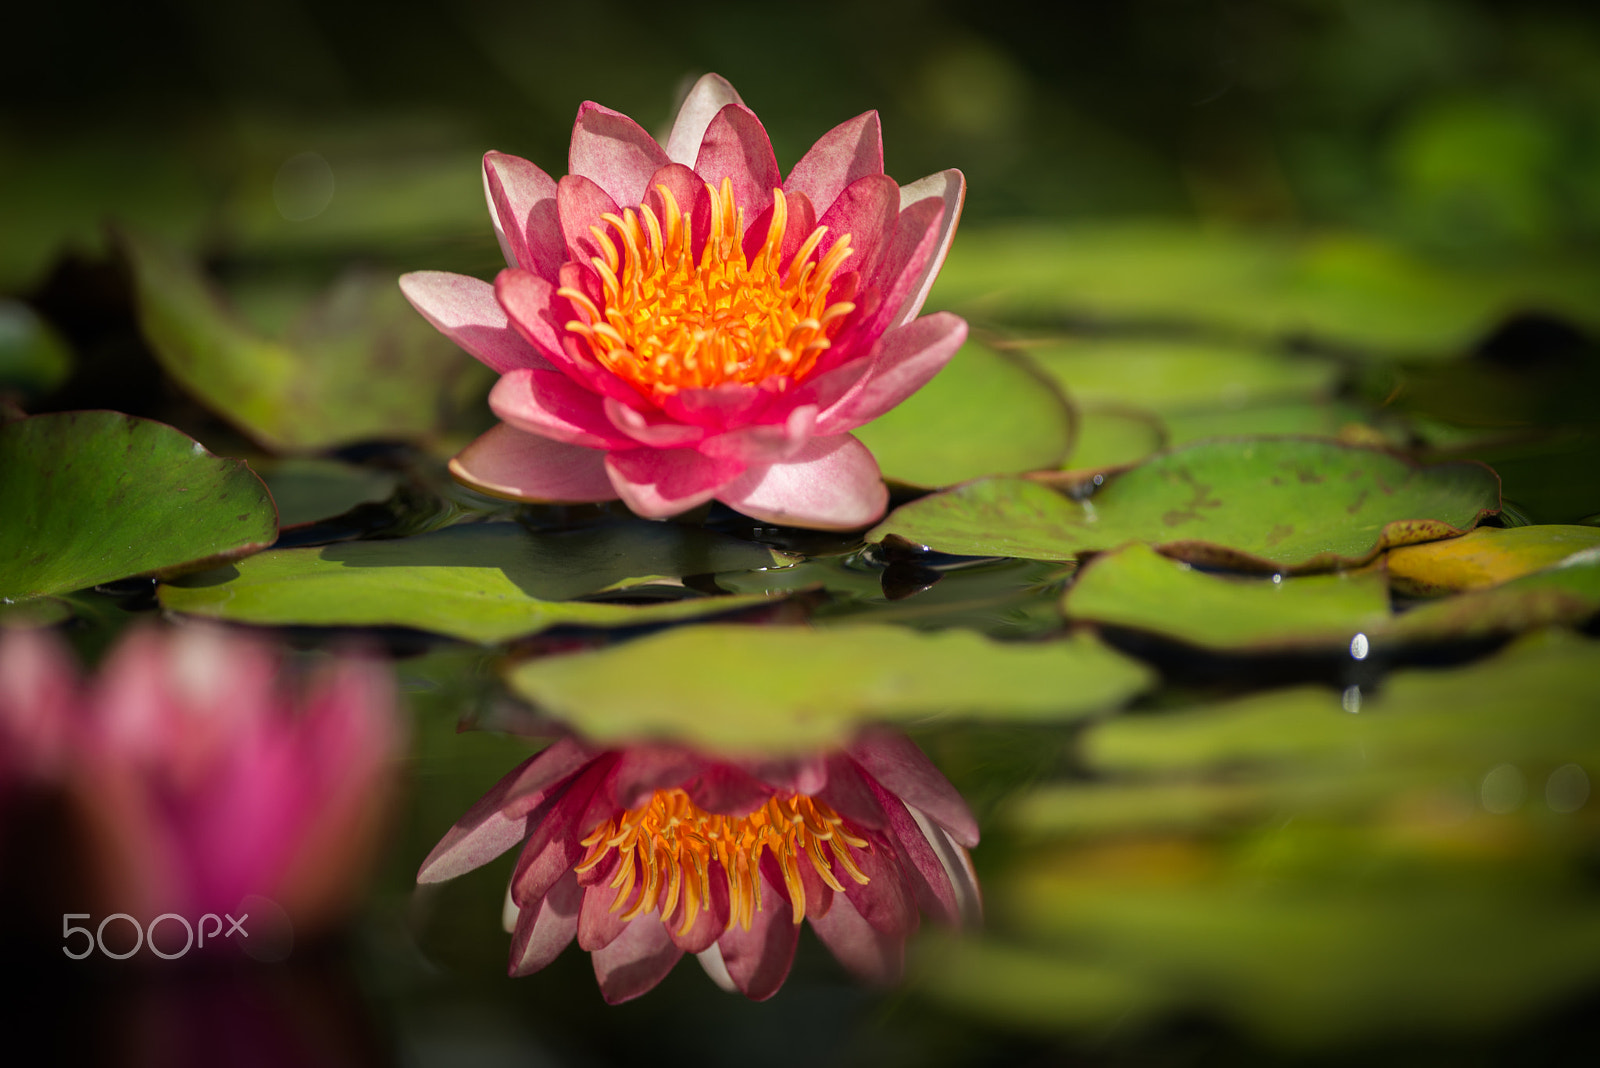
{"x":682,"y":323}
{"x":199,"y":777}
{"x":647,"y":853}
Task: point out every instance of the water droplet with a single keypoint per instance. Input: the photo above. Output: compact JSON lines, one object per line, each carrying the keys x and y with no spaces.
{"x":1502,"y":789}
{"x":1567,"y":789}
{"x":1359,"y":647}
{"x":1277,"y":580}
{"x":1351,"y":700}
{"x":1099,"y":480}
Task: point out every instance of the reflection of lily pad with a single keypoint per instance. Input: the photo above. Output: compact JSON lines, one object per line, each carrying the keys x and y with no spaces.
{"x":1136,"y":587}
{"x":307,"y":490}
{"x":1172,"y":376}
{"x":762,"y":689}
{"x":984,"y":414}
{"x":1268,"y":504}
{"x":480,"y":582}
{"x":359,"y":364}
{"x":1486,"y":557}
{"x":89,"y":497}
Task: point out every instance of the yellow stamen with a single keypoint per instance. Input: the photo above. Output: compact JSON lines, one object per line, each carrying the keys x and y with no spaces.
{"x":665,"y":848}
{"x":666,"y":322}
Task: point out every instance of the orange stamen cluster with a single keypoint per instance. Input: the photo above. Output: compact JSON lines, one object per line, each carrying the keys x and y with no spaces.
{"x":666,"y":847}
{"x":667,"y":322}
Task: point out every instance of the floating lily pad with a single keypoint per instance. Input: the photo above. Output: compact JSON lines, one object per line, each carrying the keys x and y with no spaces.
{"x":740,"y":689}
{"x":984,"y":414}
{"x":1139,"y":588}
{"x":1485,"y":557}
{"x":1268,"y":504}
{"x":1175,"y":376}
{"x":307,"y":490}
{"x":1344,"y":422}
{"x":94,"y":496}
{"x":482,"y":582}
{"x":359,"y":364}
{"x":1114,"y":437}
{"x":1352,"y":289}
{"x":1568,"y":593}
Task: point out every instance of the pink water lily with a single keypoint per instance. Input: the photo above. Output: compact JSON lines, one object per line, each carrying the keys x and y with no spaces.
{"x":683,"y":323}
{"x":648,"y":853}
{"x":198,"y":776}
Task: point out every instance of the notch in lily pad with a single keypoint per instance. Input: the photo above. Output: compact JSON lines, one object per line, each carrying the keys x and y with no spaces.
{"x":91,"y":497}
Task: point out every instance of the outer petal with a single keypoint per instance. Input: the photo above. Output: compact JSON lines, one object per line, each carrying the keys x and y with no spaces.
{"x":736,"y":146}
{"x":465,"y":310}
{"x":868,"y":953}
{"x":535,"y":311}
{"x":728,"y":791}
{"x":581,"y":203}
{"x":499,"y":820}
{"x":831,"y":484}
{"x":635,"y":962}
{"x":712,"y":920}
{"x":772,"y":443}
{"x":506,"y":462}
{"x":957,"y":866}
{"x":644,"y":769}
{"x":849,"y":151}
{"x":541,"y":936}
{"x":909,"y":356}
{"x":522,"y":203}
{"x":951,"y":187}
{"x":758,"y":960}
{"x":598,"y":923}
{"x":615,"y":152}
{"x":553,"y":846}
{"x":551,"y":405}
{"x":710,"y":95}
{"x":905,"y":771}
{"x":649,"y":427}
{"x":924,"y":868}
{"x":657,"y":483}
{"x":866,"y":210}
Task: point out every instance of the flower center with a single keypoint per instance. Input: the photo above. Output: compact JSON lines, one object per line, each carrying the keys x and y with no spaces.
{"x":668,"y":322}
{"x":666,"y":846}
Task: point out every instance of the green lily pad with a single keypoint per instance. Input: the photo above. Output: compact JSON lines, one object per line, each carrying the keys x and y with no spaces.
{"x":359,"y":364}
{"x":1114,"y":437}
{"x":1485,"y":557}
{"x":1268,"y":504}
{"x":484,"y":582}
{"x":1566,"y":594}
{"x":1139,"y":588}
{"x":1175,"y":376}
{"x":1343,"y":422}
{"x":1346,"y":288}
{"x":986,"y":413}
{"x":307,"y":490}
{"x":95,"y":496}
{"x":734,"y":689}
{"x":33,"y":358}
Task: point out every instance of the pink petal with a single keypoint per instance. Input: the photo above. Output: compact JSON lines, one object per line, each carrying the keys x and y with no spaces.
{"x":885,"y":901}
{"x":553,"y":842}
{"x":615,"y":152}
{"x":765,"y":444}
{"x":541,"y":938}
{"x":689,"y":193}
{"x":499,"y":820}
{"x":802,"y":220}
{"x":644,"y":769}
{"x":736,"y":146}
{"x":831,"y":484}
{"x":866,"y":952}
{"x":710,"y":95}
{"x":851,"y":150}
{"x":848,"y":793}
{"x":905,"y":771}
{"x":38,"y":703}
{"x":533,"y":310}
{"x":650,"y":427}
{"x":957,"y":866}
{"x":930,"y":881}
{"x":465,"y":310}
{"x":598,"y":923}
{"x":635,"y":962}
{"x":899,"y":270}
{"x":581,"y":203}
{"x":950,"y":187}
{"x":719,"y":407}
{"x":506,"y":462}
{"x":908,"y":358}
{"x":793,"y":774}
{"x":657,"y":483}
{"x":522,"y":203}
{"x":727,"y":791}
{"x":866,"y":211}
{"x":758,"y":960}
{"x":551,"y":405}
